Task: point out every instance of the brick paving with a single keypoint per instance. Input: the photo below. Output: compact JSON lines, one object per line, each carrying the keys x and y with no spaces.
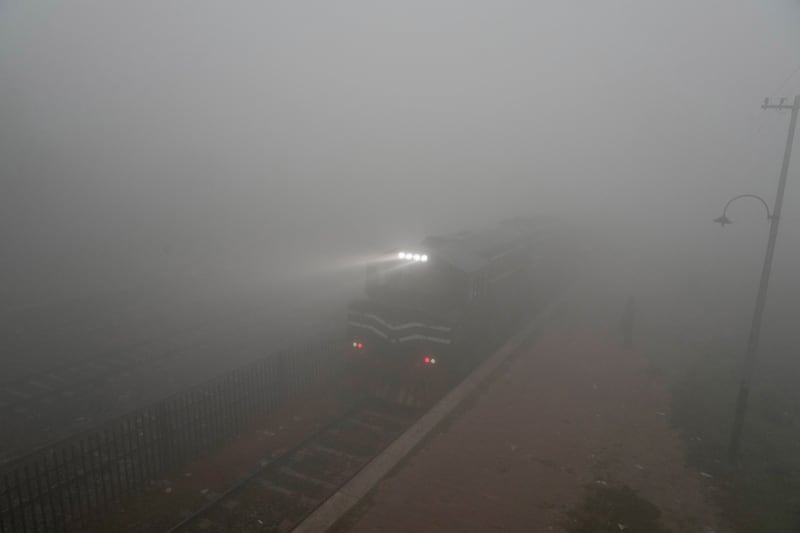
{"x":572,"y":411}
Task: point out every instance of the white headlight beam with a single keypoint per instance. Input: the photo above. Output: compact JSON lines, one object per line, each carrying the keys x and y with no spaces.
{"x":409,"y":256}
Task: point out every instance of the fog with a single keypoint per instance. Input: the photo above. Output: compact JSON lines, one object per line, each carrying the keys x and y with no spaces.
{"x":211,"y":150}
{"x":188,"y":185}
{"x":240,"y":142}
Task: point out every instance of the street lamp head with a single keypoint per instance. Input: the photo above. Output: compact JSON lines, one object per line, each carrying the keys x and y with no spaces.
{"x":722,"y":220}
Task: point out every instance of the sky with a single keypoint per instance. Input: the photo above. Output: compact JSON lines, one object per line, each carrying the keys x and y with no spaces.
{"x":257,"y":142}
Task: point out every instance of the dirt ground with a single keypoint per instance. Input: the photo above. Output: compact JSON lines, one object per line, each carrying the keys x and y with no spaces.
{"x":572,"y":416}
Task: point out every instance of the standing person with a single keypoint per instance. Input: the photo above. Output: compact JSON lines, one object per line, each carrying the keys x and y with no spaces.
{"x":626,"y":324}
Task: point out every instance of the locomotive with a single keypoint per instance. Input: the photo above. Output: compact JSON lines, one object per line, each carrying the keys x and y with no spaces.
{"x":429,"y":312}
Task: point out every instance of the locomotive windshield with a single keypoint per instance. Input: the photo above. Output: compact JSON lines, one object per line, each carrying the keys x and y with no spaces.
{"x":429,"y":284}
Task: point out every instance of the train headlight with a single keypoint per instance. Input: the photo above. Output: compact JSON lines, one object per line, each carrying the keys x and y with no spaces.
{"x":415,"y":257}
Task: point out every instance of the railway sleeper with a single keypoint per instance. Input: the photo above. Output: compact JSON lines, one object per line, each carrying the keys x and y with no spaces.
{"x":338,"y":453}
{"x":399,"y":422}
{"x":319,"y":465}
{"x":375,"y":429}
{"x":298,"y":485}
{"x":289,"y":471}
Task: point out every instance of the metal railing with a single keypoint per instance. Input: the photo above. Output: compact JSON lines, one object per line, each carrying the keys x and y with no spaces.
{"x":66,"y":484}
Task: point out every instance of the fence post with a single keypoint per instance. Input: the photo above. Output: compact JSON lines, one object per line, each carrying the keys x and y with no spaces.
{"x":83,"y":510}
{"x":67,"y":486}
{"x":281,"y":385}
{"x":100,"y":486}
{"x":10,"y":500}
{"x":164,"y":436}
{"x":36,"y":499}
{"x":113,"y":490}
{"x":55,"y":514}
{"x":140,"y":452}
{"x":57,"y":485}
{"x":22,"y":510}
{"x":119,"y":432}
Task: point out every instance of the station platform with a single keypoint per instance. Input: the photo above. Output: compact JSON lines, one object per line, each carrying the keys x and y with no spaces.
{"x":571,"y":434}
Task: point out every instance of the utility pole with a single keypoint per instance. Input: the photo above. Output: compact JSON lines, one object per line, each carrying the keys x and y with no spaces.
{"x":755,"y":328}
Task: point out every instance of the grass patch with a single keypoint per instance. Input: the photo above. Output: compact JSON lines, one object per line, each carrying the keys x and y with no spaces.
{"x":763,"y":494}
{"x":614,"y":509}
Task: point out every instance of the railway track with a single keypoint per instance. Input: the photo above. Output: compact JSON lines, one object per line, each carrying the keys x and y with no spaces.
{"x":285,"y":490}
{"x":44,"y":406}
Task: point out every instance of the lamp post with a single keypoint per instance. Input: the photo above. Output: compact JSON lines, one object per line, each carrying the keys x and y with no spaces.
{"x":761,"y":298}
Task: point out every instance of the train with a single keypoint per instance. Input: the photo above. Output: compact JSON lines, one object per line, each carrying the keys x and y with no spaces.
{"x":429,"y":313}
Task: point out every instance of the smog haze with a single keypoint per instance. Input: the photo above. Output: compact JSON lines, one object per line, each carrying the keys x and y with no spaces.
{"x":166,"y":163}
{"x":242,"y":141}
